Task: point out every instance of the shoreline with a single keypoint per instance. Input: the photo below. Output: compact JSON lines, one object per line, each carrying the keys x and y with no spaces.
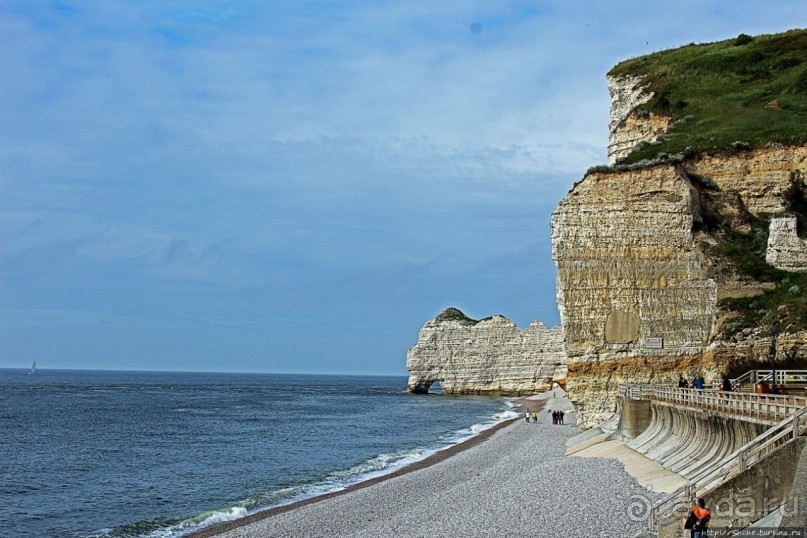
{"x":524,"y":404}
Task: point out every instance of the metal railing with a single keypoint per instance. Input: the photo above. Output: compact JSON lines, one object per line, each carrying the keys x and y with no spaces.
{"x":769,"y":408}
{"x":743,"y":458}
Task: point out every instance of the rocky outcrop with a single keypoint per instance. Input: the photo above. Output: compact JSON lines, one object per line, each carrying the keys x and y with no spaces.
{"x":626,"y":129}
{"x":641,"y":273}
{"x":785,"y":249}
{"x":636,"y":290}
{"x":759,"y":177}
{"x":635,"y":297}
{"x":490,"y":356}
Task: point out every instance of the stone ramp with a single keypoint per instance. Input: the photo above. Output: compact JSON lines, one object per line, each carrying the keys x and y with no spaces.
{"x":685,"y":441}
{"x":646,"y":471}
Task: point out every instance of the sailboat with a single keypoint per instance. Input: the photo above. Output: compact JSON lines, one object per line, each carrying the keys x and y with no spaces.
{"x":32,"y":371}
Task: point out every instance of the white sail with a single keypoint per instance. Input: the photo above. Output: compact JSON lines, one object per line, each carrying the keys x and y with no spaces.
{"x":32,"y":371}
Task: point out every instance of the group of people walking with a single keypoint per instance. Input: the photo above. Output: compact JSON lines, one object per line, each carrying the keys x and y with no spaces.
{"x":697,"y":383}
{"x":557,"y":416}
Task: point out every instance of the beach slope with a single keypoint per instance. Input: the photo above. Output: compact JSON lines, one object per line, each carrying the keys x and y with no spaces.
{"x":516,"y":483}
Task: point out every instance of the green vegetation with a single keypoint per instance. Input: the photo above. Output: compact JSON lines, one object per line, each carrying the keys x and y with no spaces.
{"x":454,"y":314}
{"x":732,"y":95}
{"x":784,"y":307}
{"x":796,"y":200}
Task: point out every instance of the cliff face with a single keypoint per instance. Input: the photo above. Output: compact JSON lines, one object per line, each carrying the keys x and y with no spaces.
{"x":637,"y":287}
{"x":760,"y":177}
{"x":626,"y":130}
{"x":635,"y":297}
{"x":785,"y":249}
{"x":491,"y":356}
{"x":666,"y":266}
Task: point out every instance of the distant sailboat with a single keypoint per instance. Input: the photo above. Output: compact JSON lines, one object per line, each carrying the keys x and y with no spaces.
{"x":32,"y":371}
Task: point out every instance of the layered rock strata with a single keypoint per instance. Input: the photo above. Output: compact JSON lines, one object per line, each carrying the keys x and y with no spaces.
{"x":760,"y":178}
{"x":636,"y":291}
{"x":625,"y":128}
{"x":785,"y":249}
{"x":490,"y":356}
{"x":633,"y":292}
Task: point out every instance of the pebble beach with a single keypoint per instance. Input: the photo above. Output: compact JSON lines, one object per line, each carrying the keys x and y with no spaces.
{"x":516,"y":482}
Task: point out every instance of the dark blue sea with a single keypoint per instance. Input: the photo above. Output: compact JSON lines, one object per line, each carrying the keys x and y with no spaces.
{"x":147,"y":454}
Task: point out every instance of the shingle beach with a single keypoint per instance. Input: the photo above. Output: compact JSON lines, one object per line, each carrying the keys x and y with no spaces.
{"x":515,"y":483}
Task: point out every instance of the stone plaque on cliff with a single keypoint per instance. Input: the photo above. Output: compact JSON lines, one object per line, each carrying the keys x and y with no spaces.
{"x":621,"y":326}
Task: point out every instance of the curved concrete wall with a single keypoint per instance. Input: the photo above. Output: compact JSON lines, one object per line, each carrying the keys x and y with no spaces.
{"x":690,"y":442}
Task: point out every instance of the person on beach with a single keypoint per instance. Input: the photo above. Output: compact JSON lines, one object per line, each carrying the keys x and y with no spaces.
{"x":535,"y":417}
{"x":560,"y":417}
{"x":527,"y":416}
{"x":697,"y":520}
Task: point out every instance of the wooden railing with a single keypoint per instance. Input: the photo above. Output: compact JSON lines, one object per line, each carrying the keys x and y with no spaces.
{"x":783,"y":378}
{"x":749,"y":454}
{"x":768,"y":408}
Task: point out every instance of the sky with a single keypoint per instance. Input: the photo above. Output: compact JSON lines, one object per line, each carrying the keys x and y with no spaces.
{"x":298,"y":186}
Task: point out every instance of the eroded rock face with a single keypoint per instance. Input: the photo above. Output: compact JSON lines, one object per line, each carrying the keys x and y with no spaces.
{"x":491,"y":356}
{"x":635,"y":296}
{"x":626,"y":130}
{"x":785,"y":249}
{"x":759,"y":177}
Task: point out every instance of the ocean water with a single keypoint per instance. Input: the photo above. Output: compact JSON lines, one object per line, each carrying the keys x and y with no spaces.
{"x":147,"y":454}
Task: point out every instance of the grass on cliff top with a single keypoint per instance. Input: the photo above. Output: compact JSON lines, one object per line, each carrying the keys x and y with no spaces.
{"x":738,"y":94}
{"x":454,"y":314}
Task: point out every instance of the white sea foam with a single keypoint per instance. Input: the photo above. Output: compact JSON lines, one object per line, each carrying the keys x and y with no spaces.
{"x":379,"y":465}
{"x":203,"y":519}
{"x":338,"y":480}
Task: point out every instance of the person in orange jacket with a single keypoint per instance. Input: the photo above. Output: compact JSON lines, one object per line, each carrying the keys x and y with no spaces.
{"x":697,"y":520}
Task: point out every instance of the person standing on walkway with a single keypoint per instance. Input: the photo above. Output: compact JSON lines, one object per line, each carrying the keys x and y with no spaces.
{"x":698,"y":518}
{"x":527,"y":416}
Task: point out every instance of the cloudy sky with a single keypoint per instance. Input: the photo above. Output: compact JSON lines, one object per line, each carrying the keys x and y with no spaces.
{"x":297,"y":186}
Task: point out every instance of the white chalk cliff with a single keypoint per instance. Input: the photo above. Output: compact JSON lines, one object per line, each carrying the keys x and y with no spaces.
{"x":489,"y":356}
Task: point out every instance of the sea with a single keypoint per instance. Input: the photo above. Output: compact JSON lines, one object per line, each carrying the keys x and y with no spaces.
{"x":105,"y":454}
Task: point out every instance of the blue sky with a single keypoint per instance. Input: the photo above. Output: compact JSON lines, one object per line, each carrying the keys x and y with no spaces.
{"x":298,"y":186}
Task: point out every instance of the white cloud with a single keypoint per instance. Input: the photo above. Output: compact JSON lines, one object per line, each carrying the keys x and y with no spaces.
{"x":306,"y":158}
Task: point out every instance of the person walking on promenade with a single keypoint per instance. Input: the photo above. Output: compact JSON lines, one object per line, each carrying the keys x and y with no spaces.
{"x":527,"y":416}
{"x":682,"y":383}
{"x":560,"y":417}
{"x":535,"y":417}
{"x":698,"y":518}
